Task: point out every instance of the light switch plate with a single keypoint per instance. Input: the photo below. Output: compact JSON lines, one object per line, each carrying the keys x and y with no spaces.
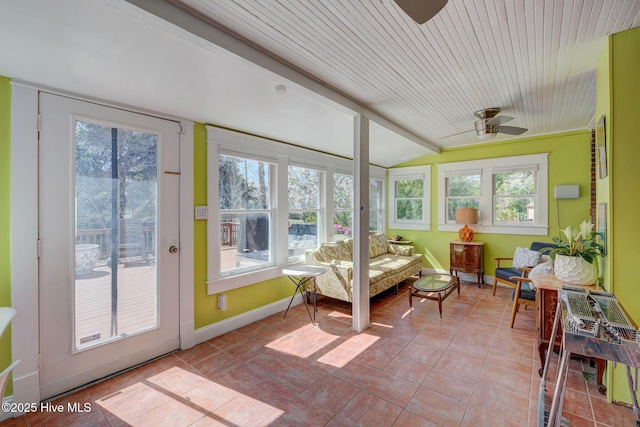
{"x":202,"y":212}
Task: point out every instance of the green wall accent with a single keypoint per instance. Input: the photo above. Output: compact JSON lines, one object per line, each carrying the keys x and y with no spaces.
{"x":619,"y":98}
{"x":239,"y":300}
{"x":603,"y":108}
{"x":5,"y":213}
{"x":569,"y":163}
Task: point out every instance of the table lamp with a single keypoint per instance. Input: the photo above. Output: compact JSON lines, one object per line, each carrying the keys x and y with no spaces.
{"x":466,"y":216}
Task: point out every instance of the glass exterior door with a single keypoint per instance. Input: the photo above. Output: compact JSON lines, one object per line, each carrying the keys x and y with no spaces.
{"x":109,"y":226}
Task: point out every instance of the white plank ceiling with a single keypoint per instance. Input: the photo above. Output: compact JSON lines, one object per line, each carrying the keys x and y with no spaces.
{"x":534,"y":59}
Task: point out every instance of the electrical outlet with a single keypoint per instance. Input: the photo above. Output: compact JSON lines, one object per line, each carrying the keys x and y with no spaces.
{"x":222,"y":302}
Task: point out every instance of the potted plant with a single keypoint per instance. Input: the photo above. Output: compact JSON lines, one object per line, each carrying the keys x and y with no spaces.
{"x":573,"y":258}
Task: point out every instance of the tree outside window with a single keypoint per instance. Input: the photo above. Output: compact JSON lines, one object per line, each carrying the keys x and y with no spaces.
{"x":514,"y":200}
{"x":245,"y":213}
{"x":463,"y":191}
{"x":376,"y":207}
{"x":409,"y":193}
{"x":304,"y":209}
{"x":342,"y":206}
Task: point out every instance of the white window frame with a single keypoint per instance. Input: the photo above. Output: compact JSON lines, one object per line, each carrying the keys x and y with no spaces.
{"x":409,"y":173}
{"x":250,"y":146}
{"x":487,"y":168}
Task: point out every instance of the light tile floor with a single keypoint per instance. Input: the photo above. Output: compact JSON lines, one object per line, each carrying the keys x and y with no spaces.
{"x":408,"y":369}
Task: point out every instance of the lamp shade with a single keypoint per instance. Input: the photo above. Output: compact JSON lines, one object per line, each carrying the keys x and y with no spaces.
{"x":466,"y":216}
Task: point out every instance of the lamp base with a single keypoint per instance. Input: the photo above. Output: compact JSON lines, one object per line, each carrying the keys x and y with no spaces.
{"x":465,"y":234}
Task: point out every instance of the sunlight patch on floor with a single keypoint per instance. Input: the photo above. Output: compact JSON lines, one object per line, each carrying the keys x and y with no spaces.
{"x":348,"y":350}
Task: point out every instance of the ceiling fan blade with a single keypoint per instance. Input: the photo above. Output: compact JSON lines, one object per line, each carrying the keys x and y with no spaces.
{"x":498,"y":120}
{"x":459,"y":133}
{"x":512,"y":130}
{"x":421,"y":10}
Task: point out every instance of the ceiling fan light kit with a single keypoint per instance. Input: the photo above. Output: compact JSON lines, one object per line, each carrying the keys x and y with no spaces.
{"x":484,"y":133}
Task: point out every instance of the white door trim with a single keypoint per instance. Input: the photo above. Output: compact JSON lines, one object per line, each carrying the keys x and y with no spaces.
{"x":24,"y":235}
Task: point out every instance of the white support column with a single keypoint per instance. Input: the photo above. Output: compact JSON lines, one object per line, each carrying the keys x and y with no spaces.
{"x":361,"y":224}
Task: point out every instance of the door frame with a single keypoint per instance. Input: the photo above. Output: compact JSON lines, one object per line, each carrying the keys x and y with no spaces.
{"x":24,"y":233}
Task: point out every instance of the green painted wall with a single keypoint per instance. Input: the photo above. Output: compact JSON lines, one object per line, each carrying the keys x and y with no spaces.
{"x":239,"y":300}
{"x":621,"y":60}
{"x":603,"y":108}
{"x":5,"y":223}
{"x":569,"y":163}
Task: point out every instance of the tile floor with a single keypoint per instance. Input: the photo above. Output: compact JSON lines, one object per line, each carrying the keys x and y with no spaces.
{"x":408,"y":369}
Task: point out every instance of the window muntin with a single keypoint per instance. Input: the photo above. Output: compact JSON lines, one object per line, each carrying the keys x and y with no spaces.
{"x":514,"y":200}
{"x":463,"y":191}
{"x":304,"y":213}
{"x":246,"y":217}
{"x":342,"y":206}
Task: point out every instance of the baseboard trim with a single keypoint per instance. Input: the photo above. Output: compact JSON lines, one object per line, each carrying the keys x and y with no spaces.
{"x":235,"y":322}
{"x":7,"y":415}
{"x":26,"y":389}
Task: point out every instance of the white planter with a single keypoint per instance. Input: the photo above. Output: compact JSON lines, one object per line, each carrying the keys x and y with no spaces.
{"x":86,"y":258}
{"x":575,"y":270}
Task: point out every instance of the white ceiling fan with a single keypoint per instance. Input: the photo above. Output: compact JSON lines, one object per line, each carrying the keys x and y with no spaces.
{"x":489,"y":124}
{"x":421,"y":10}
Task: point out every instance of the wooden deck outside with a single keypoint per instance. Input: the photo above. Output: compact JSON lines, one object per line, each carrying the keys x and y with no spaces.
{"x":137,"y":301}
{"x":136,"y":297}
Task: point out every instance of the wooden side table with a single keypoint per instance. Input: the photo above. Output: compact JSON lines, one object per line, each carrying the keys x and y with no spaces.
{"x":467,"y":257}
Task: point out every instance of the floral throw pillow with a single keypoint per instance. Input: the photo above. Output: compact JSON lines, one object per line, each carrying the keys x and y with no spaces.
{"x":525,"y":257}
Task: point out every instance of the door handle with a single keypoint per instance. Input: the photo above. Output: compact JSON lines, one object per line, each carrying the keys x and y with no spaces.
{"x":173,"y":249}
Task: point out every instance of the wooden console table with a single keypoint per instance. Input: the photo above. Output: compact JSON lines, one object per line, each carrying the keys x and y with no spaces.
{"x":467,"y":257}
{"x":547,"y":286}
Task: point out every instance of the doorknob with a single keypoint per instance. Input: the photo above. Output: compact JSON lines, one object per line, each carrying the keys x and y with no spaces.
{"x":173,"y":249}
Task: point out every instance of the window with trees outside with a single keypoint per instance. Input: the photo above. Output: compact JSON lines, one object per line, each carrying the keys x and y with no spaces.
{"x":409,"y":197}
{"x":245,"y":214}
{"x":463,"y":191}
{"x":269,"y":202}
{"x":342,"y":206}
{"x":514,"y":197}
{"x":376,"y":205}
{"x":304,"y":186}
{"x":510,"y":194}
